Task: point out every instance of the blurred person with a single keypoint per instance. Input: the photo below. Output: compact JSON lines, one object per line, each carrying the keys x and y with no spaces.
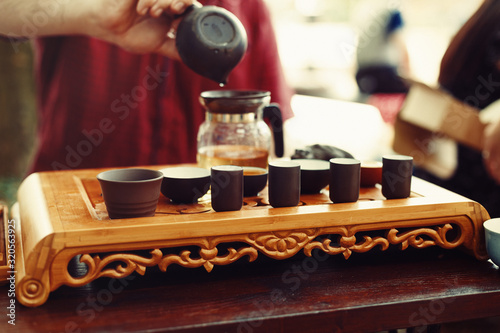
{"x":111,"y":89}
{"x":491,"y":151}
{"x":381,"y":54}
{"x":470,"y":71}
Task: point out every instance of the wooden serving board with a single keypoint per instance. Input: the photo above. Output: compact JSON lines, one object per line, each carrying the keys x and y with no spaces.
{"x":61,"y":215}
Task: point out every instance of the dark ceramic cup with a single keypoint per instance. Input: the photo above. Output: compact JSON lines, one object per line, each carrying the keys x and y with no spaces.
{"x":397,"y":171}
{"x":130,"y":193}
{"x":185,"y":184}
{"x":227,"y":188}
{"x":284,"y":183}
{"x":254,"y":180}
{"x":314,"y":175}
{"x":344,"y":179}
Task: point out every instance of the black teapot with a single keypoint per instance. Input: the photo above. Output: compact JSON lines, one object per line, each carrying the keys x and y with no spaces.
{"x":211,"y":41}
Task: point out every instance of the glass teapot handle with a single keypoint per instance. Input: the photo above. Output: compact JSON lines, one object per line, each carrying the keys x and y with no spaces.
{"x":272,"y":113}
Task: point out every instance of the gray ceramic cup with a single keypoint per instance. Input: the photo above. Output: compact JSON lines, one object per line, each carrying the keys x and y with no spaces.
{"x":492,"y":238}
{"x":226,"y":187}
{"x":130,"y":193}
{"x":284,"y":183}
{"x":344,"y":179}
{"x":396,"y":176}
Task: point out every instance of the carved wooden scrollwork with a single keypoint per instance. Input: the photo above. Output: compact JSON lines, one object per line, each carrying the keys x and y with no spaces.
{"x":208,"y":258}
{"x":433,"y":236}
{"x":282,"y":244}
{"x":346,"y":244}
{"x":32,"y":291}
{"x":419,"y":238}
{"x":128,"y":263}
{"x":277,"y":245}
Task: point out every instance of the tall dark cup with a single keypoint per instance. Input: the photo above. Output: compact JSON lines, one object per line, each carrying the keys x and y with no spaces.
{"x":344,"y":179}
{"x":226,"y":187}
{"x":396,"y":176}
{"x":284,"y":183}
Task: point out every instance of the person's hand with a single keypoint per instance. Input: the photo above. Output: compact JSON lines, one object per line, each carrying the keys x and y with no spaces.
{"x":142,"y":26}
{"x":156,"y":8}
{"x":491,"y":150}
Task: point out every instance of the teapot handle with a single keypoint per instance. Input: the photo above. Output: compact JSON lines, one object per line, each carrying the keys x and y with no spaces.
{"x":272,"y":113}
{"x":188,"y":10}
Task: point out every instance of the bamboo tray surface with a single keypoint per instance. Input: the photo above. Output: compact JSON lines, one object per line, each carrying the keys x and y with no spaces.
{"x":62,"y":215}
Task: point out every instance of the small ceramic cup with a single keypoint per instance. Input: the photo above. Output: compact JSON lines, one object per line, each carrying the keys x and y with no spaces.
{"x":396,"y":176}
{"x":344,"y":179}
{"x":185,"y":184}
{"x":254,"y":180}
{"x":371,"y":173}
{"x":226,"y":187}
{"x":314,"y":175}
{"x":130,"y":193}
{"x":284,"y":183}
{"x":492,"y":238}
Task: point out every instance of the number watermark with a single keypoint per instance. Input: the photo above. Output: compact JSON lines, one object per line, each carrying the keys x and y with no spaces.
{"x":11,"y":266}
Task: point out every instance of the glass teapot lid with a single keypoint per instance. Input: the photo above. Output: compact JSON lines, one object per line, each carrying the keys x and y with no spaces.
{"x":234,"y":101}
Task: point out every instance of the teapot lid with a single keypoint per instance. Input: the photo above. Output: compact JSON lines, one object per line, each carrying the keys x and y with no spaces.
{"x":234,"y":101}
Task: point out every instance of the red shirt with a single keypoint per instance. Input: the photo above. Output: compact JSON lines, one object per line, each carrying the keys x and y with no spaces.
{"x":100,"y":106}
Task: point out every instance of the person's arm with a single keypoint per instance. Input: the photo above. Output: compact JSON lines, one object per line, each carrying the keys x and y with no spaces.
{"x":31,"y":18}
{"x":120,"y":22}
{"x":491,"y":151}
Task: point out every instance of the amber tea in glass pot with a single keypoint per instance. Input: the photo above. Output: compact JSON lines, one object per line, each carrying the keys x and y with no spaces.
{"x":234,"y":131}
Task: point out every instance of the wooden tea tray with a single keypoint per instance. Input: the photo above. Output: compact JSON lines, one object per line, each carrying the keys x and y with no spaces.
{"x":61,"y":215}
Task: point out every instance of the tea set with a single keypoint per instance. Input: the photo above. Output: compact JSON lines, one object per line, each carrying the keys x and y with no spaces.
{"x":135,"y":192}
{"x":234,"y":141}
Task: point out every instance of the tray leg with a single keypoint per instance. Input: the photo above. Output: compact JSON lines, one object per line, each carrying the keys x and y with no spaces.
{"x":33,"y":292}
{"x":32,"y":289}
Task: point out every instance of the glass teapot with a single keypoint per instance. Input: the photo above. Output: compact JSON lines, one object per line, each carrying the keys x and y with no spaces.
{"x":234,"y":131}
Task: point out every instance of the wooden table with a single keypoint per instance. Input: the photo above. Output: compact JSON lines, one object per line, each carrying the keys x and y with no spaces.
{"x":369,"y":292}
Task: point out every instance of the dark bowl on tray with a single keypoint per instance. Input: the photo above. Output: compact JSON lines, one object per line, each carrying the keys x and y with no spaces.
{"x":185,"y":184}
{"x":254,"y":180}
{"x":314,"y":175}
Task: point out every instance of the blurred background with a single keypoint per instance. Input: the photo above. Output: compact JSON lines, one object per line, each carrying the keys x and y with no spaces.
{"x":317,"y":42}
{"x":317,"y":39}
